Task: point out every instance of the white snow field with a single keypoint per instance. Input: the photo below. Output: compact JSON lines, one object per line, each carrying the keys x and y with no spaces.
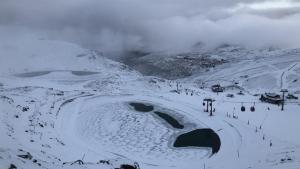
{"x":60,"y":103}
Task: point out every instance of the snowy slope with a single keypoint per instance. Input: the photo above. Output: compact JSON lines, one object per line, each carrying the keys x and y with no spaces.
{"x":266,"y":71}
{"x":61,"y":103}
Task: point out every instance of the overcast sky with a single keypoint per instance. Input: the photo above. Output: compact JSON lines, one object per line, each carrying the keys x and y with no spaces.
{"x":115,"y":25}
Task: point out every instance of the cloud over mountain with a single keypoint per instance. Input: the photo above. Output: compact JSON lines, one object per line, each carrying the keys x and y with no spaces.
{"x":116,"y":25}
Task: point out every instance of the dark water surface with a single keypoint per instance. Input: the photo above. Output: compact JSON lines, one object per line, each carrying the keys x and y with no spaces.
{"x":33,"y":74}
{"x":199,"y":138}
{"x":196,"y":138}
{"x":141,"y":107}
{"x":83,"y":73}
{"x":169,"y":119}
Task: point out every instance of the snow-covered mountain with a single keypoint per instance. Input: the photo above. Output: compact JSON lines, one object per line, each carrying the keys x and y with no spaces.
{"x":267,"y":69}
{"x":62,"y":106}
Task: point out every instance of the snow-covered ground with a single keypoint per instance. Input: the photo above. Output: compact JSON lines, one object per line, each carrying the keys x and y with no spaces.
{"x":259,"y":72}
{"x":61,"y":103}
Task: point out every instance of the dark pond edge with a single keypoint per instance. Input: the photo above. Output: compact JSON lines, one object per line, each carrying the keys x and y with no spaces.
{"x":83,"y":73}
{"x":142,"y":107}
{"x":161,"y":114}
{"x":186,"y":128}
{"x":214,"y":143}
{"x":33,"y":74}
{"x":170,"y":120}
{"x":45,"y":72}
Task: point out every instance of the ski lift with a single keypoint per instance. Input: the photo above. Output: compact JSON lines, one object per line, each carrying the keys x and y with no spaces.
{"x":252,"y":108}
{"x":243,"y":108}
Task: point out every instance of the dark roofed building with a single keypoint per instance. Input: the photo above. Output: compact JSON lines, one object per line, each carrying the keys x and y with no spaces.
{"x":271,"y":98}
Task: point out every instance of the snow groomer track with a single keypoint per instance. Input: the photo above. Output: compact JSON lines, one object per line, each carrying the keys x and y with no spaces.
{"x":89,"y":112}
{"x":108,"y":125}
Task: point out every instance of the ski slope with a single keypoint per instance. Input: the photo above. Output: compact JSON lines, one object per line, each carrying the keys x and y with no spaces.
{"x":74,"y":106}
{"x":262,"y":72}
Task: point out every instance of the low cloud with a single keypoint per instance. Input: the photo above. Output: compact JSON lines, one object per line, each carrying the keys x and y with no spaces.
{"x":157,"y":25}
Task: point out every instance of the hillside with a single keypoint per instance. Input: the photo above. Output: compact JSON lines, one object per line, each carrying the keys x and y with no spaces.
{"x":62,"y":106}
